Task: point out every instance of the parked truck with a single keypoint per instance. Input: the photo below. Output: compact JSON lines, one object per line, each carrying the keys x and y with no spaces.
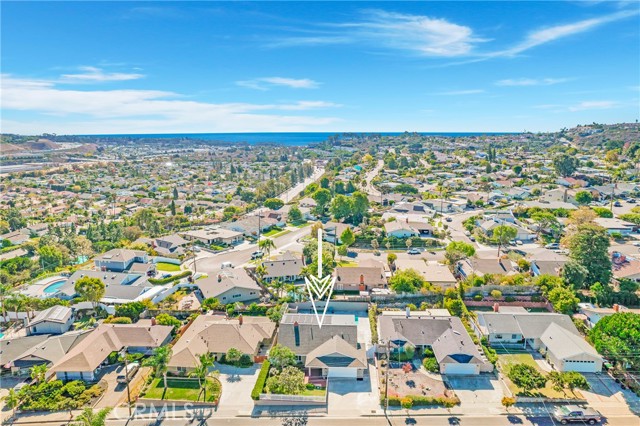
{"x":574,"y":413}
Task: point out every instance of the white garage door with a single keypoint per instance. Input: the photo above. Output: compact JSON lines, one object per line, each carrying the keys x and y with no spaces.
{"x":580,"y":366}
{"x":343,"y":372}
{"x":460,"y":369}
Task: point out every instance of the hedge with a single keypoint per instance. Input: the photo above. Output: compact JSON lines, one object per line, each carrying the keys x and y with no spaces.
{"x":419,"y":400}
{"x":162,"y":281}
{"x":262,"y":378}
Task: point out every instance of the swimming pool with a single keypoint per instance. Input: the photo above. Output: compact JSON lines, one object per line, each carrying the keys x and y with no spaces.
{"x":54,"y":286}
{"x":1,"y":335}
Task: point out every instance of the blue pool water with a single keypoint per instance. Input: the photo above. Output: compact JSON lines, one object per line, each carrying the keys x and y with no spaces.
{"x":53,"y":287}
{"x":1,"y":335}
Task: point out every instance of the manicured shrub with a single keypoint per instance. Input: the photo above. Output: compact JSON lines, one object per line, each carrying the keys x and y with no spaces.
{"x":162,"y":281}
{"x":262,"y":378}
{"x":431,"y":364}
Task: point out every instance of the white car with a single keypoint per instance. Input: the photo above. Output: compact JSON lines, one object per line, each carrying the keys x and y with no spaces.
{"x":636,"y":243}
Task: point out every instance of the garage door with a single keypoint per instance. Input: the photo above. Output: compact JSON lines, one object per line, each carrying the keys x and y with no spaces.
{"x":461,"y":369}
{"x":345,"y":372}
{"x":580,"y":366}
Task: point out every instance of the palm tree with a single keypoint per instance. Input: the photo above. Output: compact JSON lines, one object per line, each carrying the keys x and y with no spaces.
{"x":261,"y":271}
{"x":38,"y":372}
{"x":201,"y":371}
{"x":159,"y":361}
{"x":12,"y":400}
{"x":91,"y":418}
{"x":277,"y":286}
{"x":5,"y":292}
{"x":17,"y":302}
{"x":266,"y":244}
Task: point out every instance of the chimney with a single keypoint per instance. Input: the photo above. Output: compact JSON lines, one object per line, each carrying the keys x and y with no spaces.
{"x":496,"y":307}
{"x":153,"y":320}
{"x":240,"y":319}
{"x":408,"y":312}
{"x":361,"y":278}
{"x":616,"y":307}
{"x":219,"y":277}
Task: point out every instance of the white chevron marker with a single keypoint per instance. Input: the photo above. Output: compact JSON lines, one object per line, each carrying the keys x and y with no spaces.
{"x":320,"y":285}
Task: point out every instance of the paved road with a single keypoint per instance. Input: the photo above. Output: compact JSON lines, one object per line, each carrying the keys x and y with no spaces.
{"x":241,"y":254}
{"x":370,"y":189}
{"x":398,"y":418}
{"x":295,"y":191}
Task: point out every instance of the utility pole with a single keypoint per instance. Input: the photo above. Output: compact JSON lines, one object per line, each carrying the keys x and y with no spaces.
{"x":126,"y":376}
{"x":386,"y":382}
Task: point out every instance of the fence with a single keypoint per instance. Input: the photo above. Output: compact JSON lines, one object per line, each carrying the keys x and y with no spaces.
{"x":160,"y":259}
{"x":506,"y":290}
{"x":522,"y":303}
{"x":293,"y":398}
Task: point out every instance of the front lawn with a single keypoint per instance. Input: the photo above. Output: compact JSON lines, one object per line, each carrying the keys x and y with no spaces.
{"x":347,"y":263}
{"x":505,"y":362}
{"x":272,"y":232}
{"x":181,"y":389}
{"x":314,"y":392}
{"x":302,"y":225}
{"x":167,"y":267}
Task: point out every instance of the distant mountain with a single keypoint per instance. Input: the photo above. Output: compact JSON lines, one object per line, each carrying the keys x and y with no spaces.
{"x":603,"y":134}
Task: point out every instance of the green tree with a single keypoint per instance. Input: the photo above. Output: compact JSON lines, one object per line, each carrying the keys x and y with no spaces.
{"x":574,"y":274}
{"x":584,"y":197}
{"x":273,"y":203}
{"x":589,"y":247}
{"x":407,"y":281}
{"x":546,"y":220}
{"x":38,"y":372}
{"x":12,"y":400}
{"x":290,"y":382}
{"x":341,"y":207}
{"x":51,"y":257}
{"x":90,"y":289}
{"x":201,"y":372}
{"x":563,"y":300}
{"x":130,"y":310}
{"x":617,"y":337}
{"x":166,"y":319}
{"x":322,"y":197}
{"x":266,"y":244}
{"x":456,"y":307}
{"x":281,"y":356}
{"x":233,"y":355}
{"x":360,"y":205}
{"x":295,"y":215}
{"x":347,"y":237}
{"x":508,"y":401}
{"x":88,"y":417}
{"x":457,"y":251}
{"x":391,"y":258}
{"x":565,"y":164}
{"x":502,"y":234}
{"x":160,"y":362}
{"x":526,"y":377}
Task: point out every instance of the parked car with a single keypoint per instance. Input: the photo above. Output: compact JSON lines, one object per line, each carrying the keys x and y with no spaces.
{"x":631,"y":201}
{"x":128,"y":372}
{"x":413,"y":251}
{"x":617,"y":204}
{"x":562,"y":251}
{"x":165,"y":275}
{"x":257,"y":255}
{"x":574,"y":413}
{"x":224,"y":265}
{"x":519,"y":242}
{"x":636,"y":243}
{"x":472,"y":238}
{"x":448,"y":219}
{"x":552,"y":246}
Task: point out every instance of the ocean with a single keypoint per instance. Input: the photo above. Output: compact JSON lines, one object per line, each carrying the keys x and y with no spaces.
{"x":291,"y":139}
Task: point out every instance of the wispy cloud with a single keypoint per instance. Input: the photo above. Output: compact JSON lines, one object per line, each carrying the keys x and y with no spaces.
{"x":553,"y":33}
{"x":97,"y":75}
{"x":416,"y":34}
{"x":530,"y":81}
{"x":126,"y":111}
{"x":588,"y":105}
{"x":461,"y":92}
{"x":265,"y":83}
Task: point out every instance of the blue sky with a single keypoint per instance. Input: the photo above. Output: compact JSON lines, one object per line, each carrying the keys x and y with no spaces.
{"x":156,"y":67}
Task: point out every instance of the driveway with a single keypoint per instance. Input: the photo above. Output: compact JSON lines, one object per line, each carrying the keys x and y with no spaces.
{"x":608,"y":397}
{"x":482,"y":389}
{"x":115,"y":393}
{"x":237,"y":384}
{"x":350,"y":397}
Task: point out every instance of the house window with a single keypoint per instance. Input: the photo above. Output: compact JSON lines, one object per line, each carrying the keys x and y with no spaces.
{"x":182,"y":369}
{"x":498,"y":336}
{"x":514,"y":336}
{"x":296,"y":334}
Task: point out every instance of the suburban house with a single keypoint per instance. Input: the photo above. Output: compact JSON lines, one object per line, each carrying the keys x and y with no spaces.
{"x":624,"y":267}
{"x":119,"y":260}
{"x":216,"y":334}
{"x":367,"y":275}
{"x":594,"y":314}
{"x":47,"y":351}
{"x":480,"y":267}
{"x":248,"y":225}
{"x":15,"y":237}
{"x":566,"y":351}
{"x":333,"y":231}
{"x":516,"y":326}
{"x":170,"y":245}
{"x":400,"y":229}
{"x":83,"y":361}
{"x":445,"y":335}
{"x":214,"y":235}
{"x":330,"y":351}
{"x":230,"y":286}
{"x":614,"y":225}
{"x":54,"y":320}
{"x":546,"y":262}
{"x":286,"y":268}
{"x":433,"y":272}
